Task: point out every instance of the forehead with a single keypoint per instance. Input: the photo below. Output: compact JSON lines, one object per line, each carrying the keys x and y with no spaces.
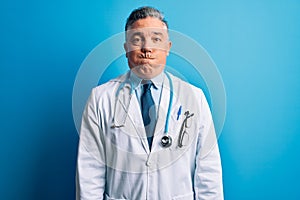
{"x":148,"y":24}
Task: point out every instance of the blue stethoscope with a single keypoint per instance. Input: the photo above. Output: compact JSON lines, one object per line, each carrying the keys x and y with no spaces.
{"x":166,"y":140}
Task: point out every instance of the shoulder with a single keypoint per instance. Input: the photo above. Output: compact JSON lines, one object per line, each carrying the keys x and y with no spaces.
{"x":108,"y":88}
{"x":183,"y":86}
{"x":190,"y":97}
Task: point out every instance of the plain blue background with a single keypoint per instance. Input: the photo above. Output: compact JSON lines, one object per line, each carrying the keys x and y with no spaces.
{"x":255,"y":45}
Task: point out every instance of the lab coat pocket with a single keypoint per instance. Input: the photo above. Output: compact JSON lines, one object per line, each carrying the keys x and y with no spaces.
{"x":110,"y":198}
{"x":189,"y":196}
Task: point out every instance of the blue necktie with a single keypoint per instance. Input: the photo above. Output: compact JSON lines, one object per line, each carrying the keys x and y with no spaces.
{"x":148,"y":112}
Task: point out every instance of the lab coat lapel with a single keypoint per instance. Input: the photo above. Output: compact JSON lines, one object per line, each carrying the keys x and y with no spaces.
{"x":162,"y":113}
{"x":137,"y":123}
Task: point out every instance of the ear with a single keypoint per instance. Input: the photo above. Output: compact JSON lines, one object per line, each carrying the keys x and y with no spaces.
{"x":169,"y":47}
{"x":126,"y":49}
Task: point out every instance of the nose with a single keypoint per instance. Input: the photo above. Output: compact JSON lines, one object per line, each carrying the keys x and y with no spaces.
{"x":146,"y":46}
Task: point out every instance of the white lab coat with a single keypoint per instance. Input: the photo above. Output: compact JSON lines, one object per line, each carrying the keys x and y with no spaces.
{"x":116,"y":163}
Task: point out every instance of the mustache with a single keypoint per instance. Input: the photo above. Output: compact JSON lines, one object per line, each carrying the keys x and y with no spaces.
{"x":146,"y":56}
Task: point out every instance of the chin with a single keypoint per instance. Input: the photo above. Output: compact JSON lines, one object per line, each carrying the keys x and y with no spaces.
{"x":144,"y":72}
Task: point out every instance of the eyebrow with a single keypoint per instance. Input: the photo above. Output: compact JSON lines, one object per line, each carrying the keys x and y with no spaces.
{"x":157,"y":33}
{"x":141,"y":33}
{"x":136,"y":34}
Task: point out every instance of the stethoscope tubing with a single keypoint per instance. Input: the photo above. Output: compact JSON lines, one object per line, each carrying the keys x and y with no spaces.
{"x":166,"y":130}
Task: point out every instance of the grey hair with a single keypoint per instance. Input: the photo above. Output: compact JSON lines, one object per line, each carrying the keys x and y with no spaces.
{"x":143,"y":12}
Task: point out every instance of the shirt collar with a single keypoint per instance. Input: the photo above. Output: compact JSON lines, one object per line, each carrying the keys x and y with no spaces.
{"x":158,"y":80}
{"x":136,"y":81}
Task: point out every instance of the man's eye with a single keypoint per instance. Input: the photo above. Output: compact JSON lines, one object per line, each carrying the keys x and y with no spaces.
{"x":136,"y":40}
{"x":156,"y":39}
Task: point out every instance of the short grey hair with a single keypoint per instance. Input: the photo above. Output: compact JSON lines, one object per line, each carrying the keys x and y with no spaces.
{"x":143,"y":12}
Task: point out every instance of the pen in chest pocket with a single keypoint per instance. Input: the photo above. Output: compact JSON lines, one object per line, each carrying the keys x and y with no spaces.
{"x":179,"y":112}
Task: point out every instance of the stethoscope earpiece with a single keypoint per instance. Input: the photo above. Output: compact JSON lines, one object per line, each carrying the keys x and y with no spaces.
{"x":166,"y":141}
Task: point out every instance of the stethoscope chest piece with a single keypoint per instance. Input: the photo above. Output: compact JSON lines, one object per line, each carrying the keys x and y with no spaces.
{"x":166,"y":141}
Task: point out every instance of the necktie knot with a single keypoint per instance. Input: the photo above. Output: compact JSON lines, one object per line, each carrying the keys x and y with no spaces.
{"x":147,"y":86}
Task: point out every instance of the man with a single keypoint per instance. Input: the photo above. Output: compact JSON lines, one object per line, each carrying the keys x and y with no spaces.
{"x":148,"y":134}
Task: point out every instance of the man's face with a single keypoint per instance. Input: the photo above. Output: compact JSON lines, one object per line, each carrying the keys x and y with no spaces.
{"x":147,"y":47}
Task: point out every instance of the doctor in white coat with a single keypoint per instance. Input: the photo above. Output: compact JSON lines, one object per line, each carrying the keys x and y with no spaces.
{"x":158,"y":147}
